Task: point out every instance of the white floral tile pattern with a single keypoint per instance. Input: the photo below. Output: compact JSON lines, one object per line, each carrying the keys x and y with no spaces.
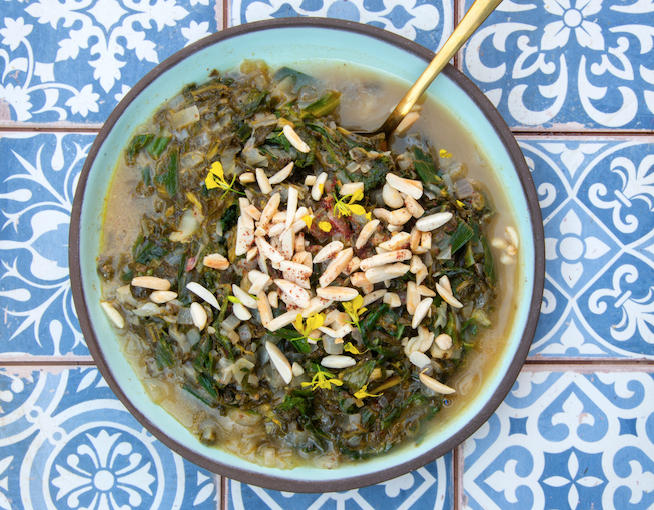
{"x":428,"y":22}
{"x":596,"y":198}
{"x":566,"y":440}
{"x":37,"y":185}
{"x":68,"y":443}
{"x":567,"y":65}
{"x":427,"y":487}
{"x":74,"y":61}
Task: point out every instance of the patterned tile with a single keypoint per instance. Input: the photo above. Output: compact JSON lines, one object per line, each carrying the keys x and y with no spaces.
{"x":429,"y":487}
{"x":596,"y":199}
{"x":73,"y":61}
{"x":37,"y":183}
{"x":428,"y":22}
{"x":566,"y":440}
{"x":565,"y":65}
{"x":67,"y":442}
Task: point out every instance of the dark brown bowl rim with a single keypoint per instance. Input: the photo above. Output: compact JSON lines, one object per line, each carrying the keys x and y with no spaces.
{"x":517,"y":158}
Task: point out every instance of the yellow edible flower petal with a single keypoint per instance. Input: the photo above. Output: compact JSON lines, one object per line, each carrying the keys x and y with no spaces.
{"x":217,"y":170}
{"x":357,"y":209}
{"x":369,"y":216}
{"x":356,"y":196}
{"x":308,"y":219}
{"x":444,"y":154}
{"x":209,"y":181}
{"x":351,"y":348}
{"x":325,"y":226}
{"x":363,"y":393}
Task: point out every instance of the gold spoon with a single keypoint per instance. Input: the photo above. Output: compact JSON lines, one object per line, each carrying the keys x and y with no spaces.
{"x":475,"y":16}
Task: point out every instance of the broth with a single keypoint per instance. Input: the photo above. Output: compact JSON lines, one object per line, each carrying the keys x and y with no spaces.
{"x":366,"y":100}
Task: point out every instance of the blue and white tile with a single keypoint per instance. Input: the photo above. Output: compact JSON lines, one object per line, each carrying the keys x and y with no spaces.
{"x":67,"y":442}
{"x":597,"y":199}
{"x":72,"y":62}
{"x":566,"y":440}
{"x":37,"y":184}
{"x":429,"y":487}
{"x":428,"y":22}
{"x":567,"y":65}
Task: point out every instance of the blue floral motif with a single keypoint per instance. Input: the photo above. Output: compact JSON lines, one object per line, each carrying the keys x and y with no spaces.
{"x":36,"y":195}
{"x":76,"y":60}
{"x":428,"y":22}
{"x":563,"y":65}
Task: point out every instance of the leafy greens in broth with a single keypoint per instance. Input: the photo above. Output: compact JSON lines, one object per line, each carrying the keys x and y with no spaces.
{"x":186,"y":210}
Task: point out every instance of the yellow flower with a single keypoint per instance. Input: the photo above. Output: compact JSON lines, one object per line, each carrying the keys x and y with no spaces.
{"x":355,"y":309}
{"x":444,"y":154}
{"x":363,"y":393}
{"x":308,"y":219}
{"x":325,"y":226}
{"x":313,"y":323}
{"x":343,"y":209}
{"x":369,"y":216}
{"x":351,"y":348}
{"x":322,"y":380}
{"x":216,"y":178}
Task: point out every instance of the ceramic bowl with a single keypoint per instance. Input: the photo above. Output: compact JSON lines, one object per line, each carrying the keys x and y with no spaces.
{"x":283,"y":42}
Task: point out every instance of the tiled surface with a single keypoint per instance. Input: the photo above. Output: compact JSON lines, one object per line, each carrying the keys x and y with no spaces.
{"x":577,"y":430}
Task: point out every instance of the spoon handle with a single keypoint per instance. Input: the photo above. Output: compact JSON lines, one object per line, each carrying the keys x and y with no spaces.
{"x":475,"y":16}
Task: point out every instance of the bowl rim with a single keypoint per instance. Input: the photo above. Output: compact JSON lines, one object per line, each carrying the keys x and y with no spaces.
{"x":531,"y":197}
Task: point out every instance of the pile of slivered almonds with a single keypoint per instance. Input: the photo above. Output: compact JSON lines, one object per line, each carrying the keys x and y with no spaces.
{"x":277,"y":235}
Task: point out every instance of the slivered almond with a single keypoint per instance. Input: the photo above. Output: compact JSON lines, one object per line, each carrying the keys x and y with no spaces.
{"x":392,"y":197}
{"x":413,"y":207}
{"x":298,"y":226}
{"x":381,"y":273}
{"x":426,"y":291}
{"x":397,"y":242}
{"x":215,"y":261}
{"x":444,"y":341}
{"x":359,"y":280}
{"x":412,"y":297}
{"x":382,"y":214}
{"x":392,"y":299}
{"x":259,"y":282}
{"x":269,"y":210}
{"x":316,"y":305}
{"x":351,"y":188}
{"x":297,"y":369}
{"x":291,"y":206}
{"x":426,"y":339}
{"x":373,"y":296}
{"x":151,"y":282}
{"x":253,"y":211}
{"x":433,"y":221}
{"x":268,"y":251}
{"x":352,"y":266}
{"x":300,"y":213}
{"x":399,"y":216}
{"x":421,"y":312}
{"x":416,"y":264}
{"x":241,"y":312}
{"x":310,"y":180}
{"x":425,"y":240}
{"x":282,"y":174}
{"x":288,"y":242}
{"x":295,"y":268}
{"x":280,"y":362}
{"x":295,"y":139}
{"x":246,"y":178}
{"x":436,"y":386}
{"x":415,"y":238}
{"x":244,"y":297}
{"x":337,"y":293}
{"x":512,"y":237}
{"x":298,"y":280}
{"x":203,"y":293}
{"x":319,"y":186}
{"x":272,"y":299}
{"x":113,"y":314}
{"x":336,"y":267}
{"x":395,"y":228}
{"x":278,"y":217}
{"x":262,"y":181}
{"x":162,"y":296}
{"x":408,"y":121}
{"x":448,"y":297}
{"x":283,"y":320}
{"x":408,"y":186}
{"x":244,"y":235}
{"x":385,"y":258}
{"x":366,"y":232}
{"x":298,"y":246}
{"x":299,"y":296}
{"x":198,"y":315}
{"x":419,"y":359}
{"x":264,"y":309}
{"x":328,"y":251}
{"x":277,"y":229}
{"x":337,"y":361}
{"x":445,"y":283}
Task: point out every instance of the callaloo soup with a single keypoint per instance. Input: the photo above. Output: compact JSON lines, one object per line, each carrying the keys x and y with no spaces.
{"x":294,"y":292}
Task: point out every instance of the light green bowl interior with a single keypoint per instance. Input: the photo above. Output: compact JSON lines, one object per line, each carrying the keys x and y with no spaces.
{"x":286,"y":46}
